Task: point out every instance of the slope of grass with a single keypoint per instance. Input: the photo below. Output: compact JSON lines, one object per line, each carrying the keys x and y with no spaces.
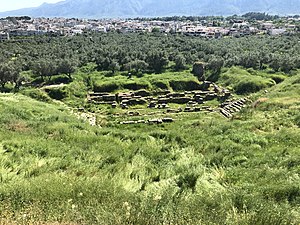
{"x":168,"y":80}
{"x":248,"y":81}
{"x":201,"y":169}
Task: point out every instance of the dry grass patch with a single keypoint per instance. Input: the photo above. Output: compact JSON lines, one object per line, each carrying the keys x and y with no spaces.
{"x":18,"y":126}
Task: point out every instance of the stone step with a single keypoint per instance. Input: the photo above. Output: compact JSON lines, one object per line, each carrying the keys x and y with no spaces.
{"x":238,"y":103}
{"x":167,"y":120}
{"x":157,"y":121}
{"x":226,"y":113}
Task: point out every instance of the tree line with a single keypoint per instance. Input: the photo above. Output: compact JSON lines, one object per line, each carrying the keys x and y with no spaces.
{"x":140,"y":53}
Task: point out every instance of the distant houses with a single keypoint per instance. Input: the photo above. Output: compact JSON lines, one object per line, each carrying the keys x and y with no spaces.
{"x":25,"y":26}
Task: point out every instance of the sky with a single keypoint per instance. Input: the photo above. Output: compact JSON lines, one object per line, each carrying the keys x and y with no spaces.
{"x":7,"y":5}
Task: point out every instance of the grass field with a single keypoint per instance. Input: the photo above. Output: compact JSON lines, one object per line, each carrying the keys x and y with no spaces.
{"x":201,"y":169}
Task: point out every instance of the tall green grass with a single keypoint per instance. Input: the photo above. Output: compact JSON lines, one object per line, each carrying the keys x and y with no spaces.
{"x":201,"y":169}
{"x":248,"y":81}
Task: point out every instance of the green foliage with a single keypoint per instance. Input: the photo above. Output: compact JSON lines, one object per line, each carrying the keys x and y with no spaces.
{"x":150,"y":52}
{"x":114,"y":66}
{"x":180,"y":62}
{"x":201,"y":169}
{"x":44,"y":68}
{"x":10,"y":72}
{"x":164,"y":85}
{"x":285,"y":63}
{"x":77,"y":89}
{"x":277,"y":78}
{"x":57,"y":93}
{"x":242,"y":81}
{"x":136,"y":85}
{"x":156,"y":30}
{"x":36,"y":94}
{"x":106,"y":87}
{"x":259,"y":16}
{"x":183,"y":80}
{"x":252,"y":85}
{"x":66,"y":67}
{"x":184,"y":85}
{"x":297,"y":120}
{"x":119,"y":84}
{"x":157,"y":60}
{"x":215,"y":65}
{"x":249,"y":60}
{"x":136,"y":65}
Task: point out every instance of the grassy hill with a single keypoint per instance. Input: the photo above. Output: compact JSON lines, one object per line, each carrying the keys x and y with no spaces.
{"x":202,"y":169}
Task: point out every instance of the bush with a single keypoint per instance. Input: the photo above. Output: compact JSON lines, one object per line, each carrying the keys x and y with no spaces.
{"x":284,"y":192}
{"x":248,"y":81}
{"x":36,"y":94}
{"x":252,"y":85}
{"x":77,"y":89}
{"x":135,"y":85}
{"x":184,"y":85}
{"x":278,"y":78}
{"x":117,"y":84}
{"x":160,"y":84}
{"x":105,"y":87}
{"x":57,"y":93}
{"x":60,"y":79}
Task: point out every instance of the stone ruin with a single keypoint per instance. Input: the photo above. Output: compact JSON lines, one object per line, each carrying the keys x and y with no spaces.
{"x":198,"y":70}
{"x":229,"y":107}
{"x":209,"y":91}
{"x":192,"y":100}
{"x":150,"y":121}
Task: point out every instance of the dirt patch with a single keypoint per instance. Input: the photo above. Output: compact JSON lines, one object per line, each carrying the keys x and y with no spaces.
{"x":259,"y":101}
{"x":18,"y":126}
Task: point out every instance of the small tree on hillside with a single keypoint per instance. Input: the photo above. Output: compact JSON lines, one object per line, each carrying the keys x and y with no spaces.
{"x":5,"y":71}
{"x":275,"y":62}
{"x":287,"y":64}
{"x":180,"y":62}
{"x":9,"y":72}
{"x":249,"y":60}
{"x":44,"y":69}
{"x":157,"y":60}
{"x":136,"y":66}
{"x":114,"y":66}
{"x":66,"y":66}
{"x":215,"y":65}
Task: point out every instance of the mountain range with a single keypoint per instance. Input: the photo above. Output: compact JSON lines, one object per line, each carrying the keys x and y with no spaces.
{"x":154,"y":8}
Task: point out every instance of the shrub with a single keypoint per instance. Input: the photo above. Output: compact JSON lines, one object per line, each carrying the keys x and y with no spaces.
{"x":77,"y":89}
{"x":184,"y":85}
{"x":252,"y":85}
{"x":283,"y":192}
{"x":136,"y":85}
{"x":278,"y":78}
{"x":36,"y":94}
{"x":105,"y":87}
{"x":160,"y":84}
{"x":57,"y":93}
{"x":59,"y":80}
{"x":248,"y":81}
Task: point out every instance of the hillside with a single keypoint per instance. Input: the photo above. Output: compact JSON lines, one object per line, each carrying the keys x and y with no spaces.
{"x":56,"y":168}
{"x":150,"y":129}
{"x":151,"y":8}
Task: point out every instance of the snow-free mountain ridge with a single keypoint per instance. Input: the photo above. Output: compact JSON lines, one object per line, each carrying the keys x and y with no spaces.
{"x":154,"y":8}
